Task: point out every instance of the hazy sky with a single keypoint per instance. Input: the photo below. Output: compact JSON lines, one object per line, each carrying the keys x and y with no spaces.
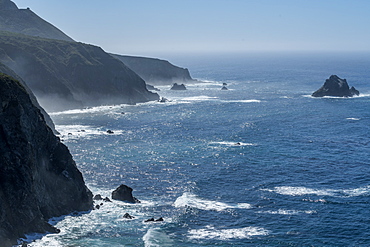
{"x":144,"y":27}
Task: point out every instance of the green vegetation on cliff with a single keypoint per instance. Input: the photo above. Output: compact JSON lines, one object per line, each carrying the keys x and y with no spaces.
{"x":65,"y":75}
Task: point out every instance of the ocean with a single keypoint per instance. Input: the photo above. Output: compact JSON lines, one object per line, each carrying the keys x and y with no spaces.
{"x":260,"y":164}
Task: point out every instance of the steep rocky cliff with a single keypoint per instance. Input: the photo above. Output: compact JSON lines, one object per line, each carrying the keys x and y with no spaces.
{"x":4,"y":69}
{"x":27,"y":22}
{"x":38,"y":177}
{"x":156,"y":71}
{"x":65,"y":75}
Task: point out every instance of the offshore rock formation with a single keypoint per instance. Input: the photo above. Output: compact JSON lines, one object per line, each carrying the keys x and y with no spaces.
{"x":4,"y":69}
{"x":337,"y":87}
{"x":176,"y":86}
{"x":65,"y":75}
{"x":27,"y":22}
{"x":38,"y":177}
{"x":124,"y":193}
{"x":156,"y":71}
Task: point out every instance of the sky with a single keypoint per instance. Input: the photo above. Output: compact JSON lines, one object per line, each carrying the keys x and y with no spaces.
{"x":149,"y":27}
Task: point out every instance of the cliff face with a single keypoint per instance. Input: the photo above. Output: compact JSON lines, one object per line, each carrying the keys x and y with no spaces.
{"x":26,"y":22}
{"x":4,"y":69}
{"x":38,"y":177}
{"x":65,"y":75}
{"x":156,"y":71}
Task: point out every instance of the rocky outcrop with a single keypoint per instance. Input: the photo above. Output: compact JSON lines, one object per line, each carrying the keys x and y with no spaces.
{"x":4,"y":69}
{"x":38,"y":177}
{"x":337,"y":87}
{"x":27,"y":22}
{"x":156,"y":71}
{"x":65,"y":75}
{"x":124,"y":193}
{"x":176,"y":86}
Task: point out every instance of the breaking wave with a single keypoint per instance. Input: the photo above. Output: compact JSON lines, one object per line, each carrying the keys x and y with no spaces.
{"x":191,"y":200}
{"x":227,"y":234}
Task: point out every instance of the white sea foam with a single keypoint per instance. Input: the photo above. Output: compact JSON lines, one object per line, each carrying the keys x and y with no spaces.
{"x":211,"y":232}
{"x":191,"y":200}
{"x":83,"y":131}
{"x":243,"y":101}
{"x":235,"y":144}
{"x":352,"y":118}
{"x":299,"y":191}
{"x":287,"y":212}
{"x":154,"y":237}
{"x":199,"y":98}
{"x":106,"y":108}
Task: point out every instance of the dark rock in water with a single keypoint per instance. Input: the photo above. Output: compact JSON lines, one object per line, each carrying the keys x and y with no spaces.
{"x":149,"y":220}
{"x":38,"y":177}
{"x":163,"y":100}
{"x":159,"y":219}
{"x":176,"y":86}
{"x":224,"y":84}
{"x":98,"y":197}
{"x":97,"y":207}
{"x":224,"y":88}
{"x":106,"y":199}
{"x":124,"y":193}
{"x":337,"y":87}
{"x":127,"y":216}
{"x":110,"y":132}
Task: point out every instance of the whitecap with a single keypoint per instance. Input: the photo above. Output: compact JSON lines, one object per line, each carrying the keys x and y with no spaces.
{"x":211,"y":232}
{"x":300,"y":191}
{"x":352,"y":118}
{"x":191,"y":200}
{"x":243,"y":101}
{"x":287,"y":212}
{"x":233,"y":143}
{"x":199,"y":98}
{"x":154,"y":237}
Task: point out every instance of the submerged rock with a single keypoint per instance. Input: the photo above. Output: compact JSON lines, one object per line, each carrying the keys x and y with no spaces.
{"x":124,"y":193}
{"x":337,"y":87}
{"x":176,"y":86}
{"x":38,"y":177}
{"x":224,"y":88}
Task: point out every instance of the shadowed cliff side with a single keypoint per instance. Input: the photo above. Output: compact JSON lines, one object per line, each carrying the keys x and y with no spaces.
{"x":156,"y":71}
{"x":4,"y":69}
{"x":65,"y":75}
{"x":38,"y":177}
{"x":27,"y":22}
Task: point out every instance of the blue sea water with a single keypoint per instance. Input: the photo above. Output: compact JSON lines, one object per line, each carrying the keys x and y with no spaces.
{"x":261,"y":164}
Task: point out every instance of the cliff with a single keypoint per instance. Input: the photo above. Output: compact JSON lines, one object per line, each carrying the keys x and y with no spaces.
{"x":156,"y":71}
{"x":337,"y":87}
{"x":26,"y":22}
{"x":38,"y":177}
{"x":65,"y":75}
{"x":4,"y":69}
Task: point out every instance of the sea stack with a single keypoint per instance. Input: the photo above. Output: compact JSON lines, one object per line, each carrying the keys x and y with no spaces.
{"x":38,"y":177}
{"x":176,"y":86}
{"x":124,"y":193}
{"x":337,"y":87}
